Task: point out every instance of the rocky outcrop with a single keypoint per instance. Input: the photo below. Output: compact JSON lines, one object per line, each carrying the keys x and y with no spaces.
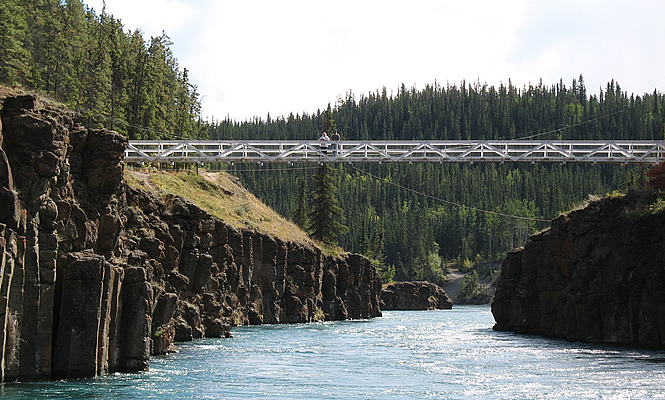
{"x":223,"y":276}
{"x":96,"y":276}
{"x":417,"y":295}
{"x":55,"y":312}
{"x":595,"y":276}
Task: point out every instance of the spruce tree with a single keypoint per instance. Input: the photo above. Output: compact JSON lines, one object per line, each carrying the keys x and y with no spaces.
{"x":14,"y":57}
{"x":329,"y":124}
{"x":326,"y":217}
{"x":300,"y":214}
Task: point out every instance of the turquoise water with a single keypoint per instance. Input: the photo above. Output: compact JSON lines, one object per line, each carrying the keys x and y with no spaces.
{"x":451,"y":354}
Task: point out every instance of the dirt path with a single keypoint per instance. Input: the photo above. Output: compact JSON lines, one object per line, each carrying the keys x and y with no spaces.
{"x":145,"y":179}
{"x":453,"y":283}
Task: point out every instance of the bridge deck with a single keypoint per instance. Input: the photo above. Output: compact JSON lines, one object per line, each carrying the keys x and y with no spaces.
{"x":291,"y":151}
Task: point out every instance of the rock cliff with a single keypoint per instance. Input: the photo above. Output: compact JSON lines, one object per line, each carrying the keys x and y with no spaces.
{"x":597,"y":275}
{"x":95,"y":276}
{"x":416,"y":295}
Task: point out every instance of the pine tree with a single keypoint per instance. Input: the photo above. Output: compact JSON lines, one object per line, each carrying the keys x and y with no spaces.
{"x":300,"y":214}
{"x":329,"y":124}
{"x":14,"y":57}
{"x":326,"y":217}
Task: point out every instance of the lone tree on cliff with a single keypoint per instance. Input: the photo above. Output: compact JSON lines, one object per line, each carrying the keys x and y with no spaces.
{"x":300,"y":214}
{"x":326,"y":217}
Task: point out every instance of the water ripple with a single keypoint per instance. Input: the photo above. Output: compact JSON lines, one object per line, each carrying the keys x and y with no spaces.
{"x":451,"y":354}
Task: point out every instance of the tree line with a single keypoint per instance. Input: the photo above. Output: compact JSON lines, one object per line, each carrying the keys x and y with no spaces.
{"x":471,"y":111}
{"x":113,"y":76}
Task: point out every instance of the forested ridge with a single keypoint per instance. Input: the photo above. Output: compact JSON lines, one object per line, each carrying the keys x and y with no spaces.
{"x":90,"y":62}
{"x":412,"y":218}
{"x":417,"y":218}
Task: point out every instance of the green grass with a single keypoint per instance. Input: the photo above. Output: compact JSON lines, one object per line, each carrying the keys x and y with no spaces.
{"x":221,"y":196}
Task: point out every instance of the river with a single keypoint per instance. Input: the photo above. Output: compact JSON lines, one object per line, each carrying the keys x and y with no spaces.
{"x":448,"y":354}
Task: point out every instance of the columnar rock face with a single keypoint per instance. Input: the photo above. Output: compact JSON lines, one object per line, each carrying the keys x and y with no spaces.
{"x":417,"y":295}
{"x":596,"y":275}
{"x":223,"y":276}
{"x":96,"y":276}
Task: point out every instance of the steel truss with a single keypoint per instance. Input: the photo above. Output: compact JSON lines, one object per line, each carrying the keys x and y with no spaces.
{"x":398,"y":151}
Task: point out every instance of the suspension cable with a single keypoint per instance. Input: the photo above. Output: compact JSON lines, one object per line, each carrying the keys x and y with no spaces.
{"x":459,"y":205}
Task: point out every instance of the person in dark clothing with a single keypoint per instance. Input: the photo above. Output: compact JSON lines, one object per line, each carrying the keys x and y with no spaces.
{"x":335,"y":145}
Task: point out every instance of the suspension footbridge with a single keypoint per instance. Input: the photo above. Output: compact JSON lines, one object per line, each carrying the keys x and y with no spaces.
{"x":397,"y":151}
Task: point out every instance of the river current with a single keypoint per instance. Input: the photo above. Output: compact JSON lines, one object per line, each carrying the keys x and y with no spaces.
{"x":449,"y":354}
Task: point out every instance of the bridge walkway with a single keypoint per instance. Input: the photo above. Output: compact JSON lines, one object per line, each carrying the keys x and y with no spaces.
{"x":397,"y":151}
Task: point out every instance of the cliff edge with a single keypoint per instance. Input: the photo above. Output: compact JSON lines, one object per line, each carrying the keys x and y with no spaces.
{"x":597,"y":275}
{"x":97,"y":275}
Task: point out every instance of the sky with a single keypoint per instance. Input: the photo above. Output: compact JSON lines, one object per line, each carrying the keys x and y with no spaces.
{"x":252,"y":58}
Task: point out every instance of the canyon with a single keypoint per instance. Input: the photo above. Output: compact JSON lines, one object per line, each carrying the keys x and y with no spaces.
{"x":97,"y":275}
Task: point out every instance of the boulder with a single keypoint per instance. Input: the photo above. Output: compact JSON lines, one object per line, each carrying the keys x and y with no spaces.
{"x":416,"y":295}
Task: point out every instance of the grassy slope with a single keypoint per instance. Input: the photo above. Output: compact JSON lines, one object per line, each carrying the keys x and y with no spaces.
{"x":223,"y":197}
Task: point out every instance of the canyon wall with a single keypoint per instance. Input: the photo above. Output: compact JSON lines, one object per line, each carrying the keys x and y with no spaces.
{"x":95,"y":276}
{"x":597,"y":275}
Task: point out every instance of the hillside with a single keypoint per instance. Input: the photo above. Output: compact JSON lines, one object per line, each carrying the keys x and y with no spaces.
{"x":221,"y":195}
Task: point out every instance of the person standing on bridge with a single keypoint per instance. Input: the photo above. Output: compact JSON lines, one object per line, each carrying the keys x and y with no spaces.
{"x":335,"y":139}
{"x":324,"y":137}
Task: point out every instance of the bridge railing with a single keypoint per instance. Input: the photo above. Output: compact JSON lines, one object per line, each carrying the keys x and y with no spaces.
{"x":290,"y":151}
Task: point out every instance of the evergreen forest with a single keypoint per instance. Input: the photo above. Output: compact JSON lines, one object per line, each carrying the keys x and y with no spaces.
{"x":114,"y":77}
{"x":413,"y":220}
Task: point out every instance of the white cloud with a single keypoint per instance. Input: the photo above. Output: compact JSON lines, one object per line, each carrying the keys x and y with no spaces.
{"x":257,"y":57}
{"x":602,"y":40}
